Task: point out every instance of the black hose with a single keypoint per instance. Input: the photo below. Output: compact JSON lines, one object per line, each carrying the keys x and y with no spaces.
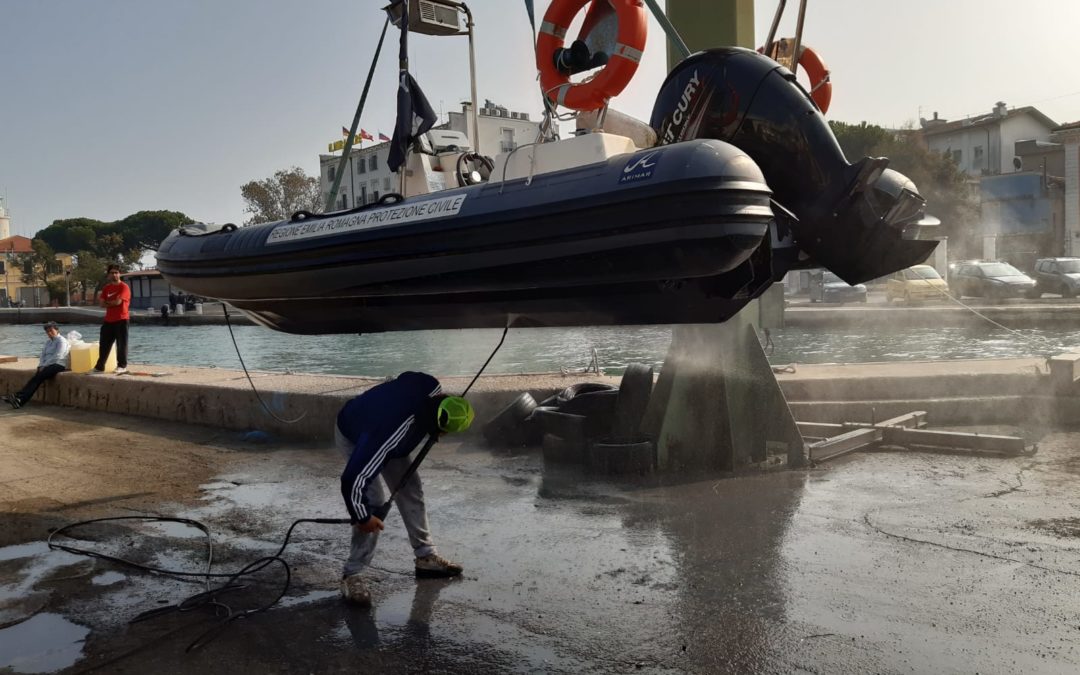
{"x":209,"y":597}
{"x":269,"y":412}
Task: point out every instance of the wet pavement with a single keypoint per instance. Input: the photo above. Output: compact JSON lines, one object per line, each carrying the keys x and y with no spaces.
{"x":889,"y":562}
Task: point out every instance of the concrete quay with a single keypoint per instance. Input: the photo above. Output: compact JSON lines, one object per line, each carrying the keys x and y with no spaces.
{"x":212,"y":316}
{"x":1047,"y":313}
{"x":971,"y":392}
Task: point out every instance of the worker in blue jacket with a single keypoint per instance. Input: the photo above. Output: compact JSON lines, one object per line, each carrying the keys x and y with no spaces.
{"x":378,"y":430}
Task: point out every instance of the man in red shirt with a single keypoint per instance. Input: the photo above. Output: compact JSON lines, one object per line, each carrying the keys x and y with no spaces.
{"x":115,"y":298}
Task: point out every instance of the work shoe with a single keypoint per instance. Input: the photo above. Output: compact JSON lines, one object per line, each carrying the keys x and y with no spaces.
{"x":12,"y":400}
{"x":121,"y":371}
{"x":355,"y":591}
{"x":436,"y":567}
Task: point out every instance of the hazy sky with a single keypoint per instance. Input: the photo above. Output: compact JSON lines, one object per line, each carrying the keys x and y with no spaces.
{"x":108,"y":107}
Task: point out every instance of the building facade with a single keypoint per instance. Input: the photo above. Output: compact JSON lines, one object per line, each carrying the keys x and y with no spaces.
{"x":1068,"y":136}
{"x":984,"y":145}
{"x":367,"y":177}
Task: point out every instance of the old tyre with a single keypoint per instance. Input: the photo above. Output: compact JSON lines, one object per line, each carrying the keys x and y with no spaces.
{"x":611,"y":457}
{"x":575,"y":390}
{"x":556,"y":423}
{"x":635,"y":388}
{"x":509,"y":428}
{"x":598,"y":409}
{"x":534,"y":425}
{"x":559,"y":450}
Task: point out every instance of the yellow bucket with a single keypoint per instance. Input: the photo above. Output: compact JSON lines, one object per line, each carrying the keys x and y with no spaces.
{"x":84,"y":357}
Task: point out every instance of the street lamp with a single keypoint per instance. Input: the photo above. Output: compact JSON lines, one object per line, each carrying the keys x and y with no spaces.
{"x":65,"y":266}
{"x":7,"y":274}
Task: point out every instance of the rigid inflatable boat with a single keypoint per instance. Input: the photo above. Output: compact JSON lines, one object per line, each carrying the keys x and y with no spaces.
{"x":737,"y":180}
{"x":641,"y":236}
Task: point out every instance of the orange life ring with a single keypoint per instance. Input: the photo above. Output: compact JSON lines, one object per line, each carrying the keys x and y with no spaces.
{"x":820,"y":83}
{"x":613,"y":77}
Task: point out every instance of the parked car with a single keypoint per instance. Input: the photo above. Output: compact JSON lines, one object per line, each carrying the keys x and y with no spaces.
{"x":1057,"y":275}
{"x":920,"y":282}
{"x":991,"y":279}
{"x":827,"y":287}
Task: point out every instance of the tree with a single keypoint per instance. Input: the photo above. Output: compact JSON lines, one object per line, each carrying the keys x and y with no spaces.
{"x":72,"y":234}
{"x":146,"y":230}
{"x":38,"y":265}
{"x":944,"y":186}
{"x":114,"y":241}
{"x":88,"y":273}
{"x":281,"y":195}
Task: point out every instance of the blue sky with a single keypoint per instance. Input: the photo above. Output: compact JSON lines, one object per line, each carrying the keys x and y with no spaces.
{"x":108,"y":107}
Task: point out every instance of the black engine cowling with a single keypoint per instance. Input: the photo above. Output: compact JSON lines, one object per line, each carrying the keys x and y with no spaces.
{"x":851,"y":217}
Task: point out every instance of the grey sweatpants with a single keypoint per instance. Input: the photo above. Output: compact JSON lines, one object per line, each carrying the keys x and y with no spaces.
{"x":409,"y":501}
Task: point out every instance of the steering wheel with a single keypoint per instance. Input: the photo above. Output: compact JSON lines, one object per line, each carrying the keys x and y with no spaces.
{"x":473,"y":177}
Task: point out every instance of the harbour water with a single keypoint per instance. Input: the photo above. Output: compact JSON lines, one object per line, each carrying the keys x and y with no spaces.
{"x":462,"y":352}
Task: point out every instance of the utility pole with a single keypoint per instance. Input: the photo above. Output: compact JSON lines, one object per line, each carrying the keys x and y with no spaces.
{"x":7,"y":271}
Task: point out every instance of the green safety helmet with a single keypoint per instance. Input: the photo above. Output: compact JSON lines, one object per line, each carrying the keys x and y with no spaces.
{"x":454,"y":414}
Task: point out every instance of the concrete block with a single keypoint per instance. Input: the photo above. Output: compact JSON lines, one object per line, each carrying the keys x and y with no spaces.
{"x":1064,"y":372}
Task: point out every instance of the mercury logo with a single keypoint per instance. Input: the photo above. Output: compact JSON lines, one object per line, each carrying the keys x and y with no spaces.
{"x":679,"y":116}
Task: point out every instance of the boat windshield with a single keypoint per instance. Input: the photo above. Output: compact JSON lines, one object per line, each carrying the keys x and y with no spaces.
{"x":999,"y":270}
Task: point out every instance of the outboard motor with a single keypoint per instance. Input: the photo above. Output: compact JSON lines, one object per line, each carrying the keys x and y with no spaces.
{"x":851,"y":217}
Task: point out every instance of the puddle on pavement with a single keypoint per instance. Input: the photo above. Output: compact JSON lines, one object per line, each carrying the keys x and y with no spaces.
{"x":108,"y":579}
{"x":42,"y":644}
{"x":23,"y":550}
{"x":253,"y":495}
{"x":23,"y":567}
{"x":307,"y":598}
{"x":174,"y":529}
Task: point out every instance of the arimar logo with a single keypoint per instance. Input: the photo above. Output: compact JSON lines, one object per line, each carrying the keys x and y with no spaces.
{"x":640,"y":168}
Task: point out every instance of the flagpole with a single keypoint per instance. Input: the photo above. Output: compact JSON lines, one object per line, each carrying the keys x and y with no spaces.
{"x":347,"y":150}
{"x":472,"y":77}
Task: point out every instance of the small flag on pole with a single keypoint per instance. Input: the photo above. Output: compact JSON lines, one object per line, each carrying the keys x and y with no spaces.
{"x":345,"y":131}
{"x":366,"y":136}
{"x":383,"y":137}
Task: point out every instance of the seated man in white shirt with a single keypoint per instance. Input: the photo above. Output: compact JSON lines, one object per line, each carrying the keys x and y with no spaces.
{"x":54,"y":359}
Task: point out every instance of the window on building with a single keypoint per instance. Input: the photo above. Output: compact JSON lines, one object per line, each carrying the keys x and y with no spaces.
{"x":506,"y":140}
{"x":375,"y":196}
{"x":344,"y":201}
{"x":957,"y":157}
{"x":362,"y":197}
{"x":372,"y":163}
{"x":361,"y":166}
{"x":977,"y":158}
{"x":330,"y":173}
{"x":386,"y":184}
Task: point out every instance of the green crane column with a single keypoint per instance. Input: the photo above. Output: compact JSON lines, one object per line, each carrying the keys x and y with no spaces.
{"x":717,"y":404}
{"x":711,"y":24}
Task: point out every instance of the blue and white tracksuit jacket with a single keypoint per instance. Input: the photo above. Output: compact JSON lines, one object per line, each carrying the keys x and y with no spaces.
{"x":387,"y":421}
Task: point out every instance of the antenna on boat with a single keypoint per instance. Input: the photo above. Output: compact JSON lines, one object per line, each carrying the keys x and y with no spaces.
{"x":347,"y":150}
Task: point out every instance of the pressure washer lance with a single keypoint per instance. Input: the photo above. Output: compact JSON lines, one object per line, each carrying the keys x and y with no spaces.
{"x":384,"y":510}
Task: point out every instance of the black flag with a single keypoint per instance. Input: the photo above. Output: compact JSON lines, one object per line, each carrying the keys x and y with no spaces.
{"x":414,"y":113}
